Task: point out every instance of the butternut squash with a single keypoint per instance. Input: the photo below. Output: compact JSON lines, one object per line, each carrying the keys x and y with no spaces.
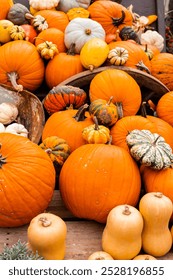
{"x":144,"y":257}
{"x":100,"y":255}
{"x":121,"y":236}
{"x":156,"y":210}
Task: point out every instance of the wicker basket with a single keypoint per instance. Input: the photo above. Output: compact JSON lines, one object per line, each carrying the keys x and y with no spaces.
{"x":31,"y":112}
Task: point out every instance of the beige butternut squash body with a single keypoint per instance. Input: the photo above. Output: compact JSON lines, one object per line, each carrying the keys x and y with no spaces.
{"x":121,"y":236}
{"x":156,"y":210}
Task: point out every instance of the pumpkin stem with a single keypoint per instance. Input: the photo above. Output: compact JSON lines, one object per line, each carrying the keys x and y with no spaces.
{"x":12,"y":77}
{"x":29,"y":16}
{"x":71,"y":50}
{"x":91,"y":67}
{"x":141,"y":66}
{"x":126,"y":210}
{"x":48,"y":151}
{"x":158,"y":194}
{"x":110,"y":140}
{"x":2,"y":160}
{"x":45,"y":222}
{"x":87,"y":31}
{"x":96,"y":123}
{"x":117,"y":21}
{"x":80,"y":115}
{"x":110,"y":100}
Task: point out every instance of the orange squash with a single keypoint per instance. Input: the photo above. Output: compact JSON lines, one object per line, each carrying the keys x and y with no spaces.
{"x":95,"y":184}
{"x":19,"y":71}
{"x":5,"y":6}
{"x":121,"y":86}
{"x":27,"y":180}
{"x":164,"y":107}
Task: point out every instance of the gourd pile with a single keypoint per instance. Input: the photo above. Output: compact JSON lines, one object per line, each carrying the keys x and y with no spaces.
{"x":109,"y":147}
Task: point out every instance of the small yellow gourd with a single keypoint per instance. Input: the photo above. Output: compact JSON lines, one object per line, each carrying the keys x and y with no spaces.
{"x":156,"y":210}
{"x":47,"y":235}
{"x":100,"y":255}
{"x":121,"y":236}
{"x":94,"y":53}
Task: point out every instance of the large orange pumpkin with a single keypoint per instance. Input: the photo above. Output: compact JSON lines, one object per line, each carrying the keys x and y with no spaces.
{"x":97,"y":177}
{"x":62,"y":66}
{"x":21,"y":65}
{"x":68,"y":125}
{"x":164,"y":108}
{"x":162,"y":68}
{"x":57,"y":19}
{"x":111,"y":15}
{"x":5,"y":6}
{"x":27,"y":180}
{"x":119,"y":84}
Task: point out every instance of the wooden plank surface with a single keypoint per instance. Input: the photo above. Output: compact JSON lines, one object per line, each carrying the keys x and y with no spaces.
{"x":83,"y":237}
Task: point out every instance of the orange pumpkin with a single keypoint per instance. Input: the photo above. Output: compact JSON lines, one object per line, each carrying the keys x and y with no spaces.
{"x":162,"y":69}
{"x":57,"y":19}
{"x":27,"y":180}
{"x":119,"y":85}
{"x":164,"y":108}
{"x":68,"y":61}
{"x":54,"y":35}
{"x":21,"y":65}
{"x":95,"y":184}
{"x":68,"y":125}
{"x":122,"y":127}
{"x":111,"y":15}
{"x":137,"y":58}
{"x":5,"y":6}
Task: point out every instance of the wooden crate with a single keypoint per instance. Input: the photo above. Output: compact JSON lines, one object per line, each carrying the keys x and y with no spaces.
{"x":83,"y":236}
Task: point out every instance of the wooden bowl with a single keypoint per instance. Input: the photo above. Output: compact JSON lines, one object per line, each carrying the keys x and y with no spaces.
{"x":151,"y":88}
{"x":31,"y":112}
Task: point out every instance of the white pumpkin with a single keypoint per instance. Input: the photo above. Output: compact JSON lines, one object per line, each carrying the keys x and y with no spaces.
{"x":8,"y":112}
{"x":2,"y":127}
{"x":80,"y":30}
{"x":43,"y":4}
{"x":66,"y":5}
{"x":153,"y":38}
{"x":17,"y":128}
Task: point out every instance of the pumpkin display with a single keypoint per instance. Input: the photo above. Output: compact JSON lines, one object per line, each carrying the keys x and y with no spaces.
{"x":94,"y":53}
{"x":56,"y":19}
{"x":149,"y":149}
{"x":121,"y":236}
{"x":64,"y":97}
{"x":162,"y":68}
{"x":57,"y":149}
{"x":100,"y":255}
{"x":119,"y":84}
{"x":81,"y":30}
{"x":110,"y":15}
{"x":164,"y":107}
{"x":137,"y":58}
{"x":69,"y":61}
{"x":106,"y":112}
{"x":21,"y":72}
{"x":123,"y":126}
{"x":77,"y":12}
{"x":96,"y":133}
{"x":8,"y":112}
{"x":156,"y":210}
{"x":105,"y":162}
{"x":46,"y":235}
{"x":65,"y":5}
{"x":53,"y":35}
{"x":27,"y":180}
{"x":5,"y":5}
{"x":68,"y":125}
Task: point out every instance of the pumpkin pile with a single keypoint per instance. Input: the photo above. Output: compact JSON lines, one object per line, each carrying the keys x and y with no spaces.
{"x":108,"y":144}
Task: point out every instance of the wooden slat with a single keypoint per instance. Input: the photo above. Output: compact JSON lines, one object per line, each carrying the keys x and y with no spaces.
{"x":83,"y":237}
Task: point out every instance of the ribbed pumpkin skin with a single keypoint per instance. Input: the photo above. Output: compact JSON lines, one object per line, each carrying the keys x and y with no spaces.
{"x":164,"y":107}
{"x":121,"y":86}
{"x":64,"y":125}
{"x":54,"y":35}
{"x":162,"y":69}
{"x":5,"y":5}
{"x":27,"y":180}
{"x":57,"y":19}
{"x":122,"y":127}
{"x":105,"y":12}
{"x":97,"y":177}
{"x":23,"y":58}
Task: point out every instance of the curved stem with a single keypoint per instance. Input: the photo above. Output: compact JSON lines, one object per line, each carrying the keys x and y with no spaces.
{"x":45,"y":222}
{"x":141,"y":66}
{"x":126,"y":210}
{"x":110,"y":100}
{"x":2,"y":160}
{"x":13,"y":76}
{"x":80,"y":115}
{"x":118,"y":21}
{"x":96,"y":123}
{"x":119,"y":109}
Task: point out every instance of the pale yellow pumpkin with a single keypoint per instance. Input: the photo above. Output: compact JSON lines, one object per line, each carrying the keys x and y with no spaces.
{"x":100,"y":255}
